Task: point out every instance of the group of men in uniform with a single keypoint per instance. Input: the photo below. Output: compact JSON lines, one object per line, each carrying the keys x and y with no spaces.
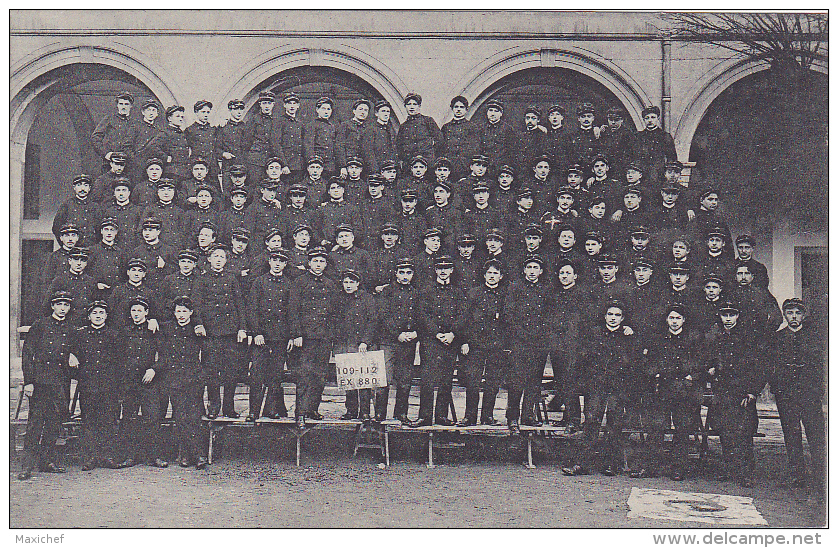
{"x":267,"y":244}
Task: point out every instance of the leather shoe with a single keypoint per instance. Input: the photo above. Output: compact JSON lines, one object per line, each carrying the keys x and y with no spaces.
{"x":444,"y":421}
{"x":575,"y":470}
{"x":250,"y":418}
{"x":231,"y":414}
{"x":184,"y":462}
{"x":201,"y":463}
{"x":108,"y":463}
{"x":88,"y":465}
{"x":52,"y":468}
{"x":608,"y":471}
{"x":315,"y":416}
{"x":160,"y":463}
{"x":403,"y":419}
{"x":25,"y":474}
{"x":127,"y":463}
{"x":514,"y":429}
{"x":465,"y":421}
{"x":490,"y":421}
{"x":349,"y":416}
{"x":420,"y":422}
{"x":212,"y":415}
{"x":531,"y":421}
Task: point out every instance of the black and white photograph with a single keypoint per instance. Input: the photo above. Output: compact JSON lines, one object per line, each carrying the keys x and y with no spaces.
{"x":416,"y":268}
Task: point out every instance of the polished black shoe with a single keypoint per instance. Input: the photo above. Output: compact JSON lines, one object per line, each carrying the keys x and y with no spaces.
{"x":677,"y":475}
{"x":575,"y":470}
{"x":301,"y":422}
{"x":444,"y":421}
{"x":25,"y":474}
{"x":127,"y":463}
{"x":489,"y":421}
{"x":315,"y":416}
{"x":609,"y":471}
{"x":250,"y":418}
{"x":403,"y":419}
{"x":201,"y":463}
{"x":349,"y":416}
{"x":420,"y":423}
{"x":231,"y":414}
{"x":184,"y":462}
{"x":465,"y":421}
{"x":88,"y":466}
{"x":52,"y":468}
{"x":160,"y":463}
{"x":108,"y":463}
{"x":531,"y":421}
{"x":514,"y":429}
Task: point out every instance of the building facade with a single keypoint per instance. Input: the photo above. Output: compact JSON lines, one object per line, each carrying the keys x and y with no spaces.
{"x":67,"y":67}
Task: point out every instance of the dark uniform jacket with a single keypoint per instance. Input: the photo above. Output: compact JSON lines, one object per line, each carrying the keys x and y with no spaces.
{"x":608,"y":360}
{"x":481,"y":221}
{"x":467,"y":271}
{"x":127,"y":220}
{"x":462,"y":143}
{"x":378,"y":145}
{"x":230,"y":138}
{"x":399,"y":311}
{"x":146,"y":146}
{"x":172,"y":143}
{"x":152,"y":254}
{"x":419,"y":135}
{"x":760,"y":273}
{"x":56,"y":262}
{"x":261,"y":216}
{"x":354,"y":258}
{"x":115,"y":133}
{"x":139,"y":348}
{"x":570,"y":317}
{"x":486,"y":327}
{"x":533,"y":143}
{"x":527,"y":310}
{"x":195,"y":218}
{"x":86,"y":214}
{"x":143,"y":193}
{"x":46,"y":351}
{"x":218,"y":297}
{"x":297,"y":262}
{"x":105,"y":263}
{"x":288,"y":137}
{"x":384,"y":264}
{"x":256,"y":142}
{"x":267,"y":307}
{"x":292,"y":217}
{"x":232,"y":219}
{"x":375,"y":213}
{"x":331,"y":214}
{"x":99,"y":352}
{"x":583,"y":147}
{"x":173,"y":222}
{"x":101,"y":191}
{"x":448,"y":219}
{"x":180,"y":354}
{"x":500,"y":143}
{"x":177,"y":285}
{"x":557,"y":146}
{"x":348,"y":141}
{"x":705,"y":316}
{"x":313,"y":305}
{"x":799,"y":365}
{"x":610,"y":189}
{"x":412,"y":230}
{"x":653,"y":149}
{"x":645,"y":306}
{"x":357,"y":320}
{"x":734,"y":357}
{"x":674,"y":357}
{"x":122,"y":295}
{"x":444,"y":309}
{"x":618,"y":146}
{"x":319,"y":140}
{"x":244,"y":266}
{"x":760,"y":313}
{"x":81,"y":287}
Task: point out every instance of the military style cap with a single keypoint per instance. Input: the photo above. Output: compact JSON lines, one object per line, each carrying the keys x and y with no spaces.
{"x":298,"y":189}
{"x":532,"y":109}
{"x":557,"y":108}
{"x":676,"y":307}
{"x":324,"y":101}
{"x":388,"y":164}
{"x":616,"y":303}
{"x":153,"y":162}
{"x":151,"y":222}
{"x":443,"y":261}
{"x":355,"y":161}
{"x":235,"y":103}
{"x":708,"y":191}
{"x":494,"y":103}
{"x":523,"y":192}
{"x":409,"y":194}
{"x":442,"y":161}
{"x":267,"y":96}
{"x":69,"y":228}
{"x":713,"y":277}
{"x":315,"y":160}
{"x":78,"y":252}
{"x":606,"y":259}
{"x":543,"y":158}
{"x":419,"y":159}
{"x":344,"y":227}
{"x":136,"y":263}
{"x":204,"y":186}
{"x":201,"y":104}
{"x":652,"y":109}
{"x":746,"y":239}
{"x":479,"y":186}
{"x":432,"y":232}
{"x":350,"y":273}
{"x":109,"y":221}
{"x":443,"y":184}
{"x":274,"y":231}
{"x":119,"y":157}
{"x":794,"y":302}
{"x":480,"y":159}
{"x":165,"y":182}
{"x":336,"y":180}
{"x":273,"y":160}
{"x":359,"y":102}
{"x":268,"y":184}
{"x":241,"y":191}
{"x":633,"y":189}
{"x":674,"y":165}
{"x":642,"y":261}
{"x":585,"y":108}
{"x":495,"y":234}
{"x":601,"y":158}
{"x":729,"y":306}
{"x":639,"y":229}
{"x":533,"y":259}
{"x":405,"y":262}
{"x":61,"y":297}
{"x":575,"y":168}
{"x":78,"y":179}
{"x":465,"y":240}
{"x":281,"y":254}
{"x":594,"y":235}
{"x":127,"y":96}
{"x":318,"y":251}
{"x":122,"y":181}
{"x":375,"y":180}
{"x":533,"y":229}
{"x":238,"y":170}
{"x":492,"y":263}
{"x":139,"y":299}
{"x":380,"y":104}
{"x":565,"y":261}
{"x":636,"y":166}
{"x":459,"y":99}
{"x":413,"y":97}
{"x":302,"y":227}
{"x":183,"y":301}
{"x":390,"y":228}
{"x":506,"y":169}
{"x":566,"y":226}
{"x":210,"y":225}
{"x":614,"y":113}
{"x":241,"y":234}
{"x":681,"y":267}
{"x":174,"y":108}
{"x":671,"y":188}
{"x":566,"y":189}
{"x":717,"y":231}
{"x":218,"y":245}
{"x":188,"y":254}
{"x":290,"y":97}
{"x":97,"y":304}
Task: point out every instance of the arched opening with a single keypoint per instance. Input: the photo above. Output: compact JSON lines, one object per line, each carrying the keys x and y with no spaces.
{"x":64,"y":106}
{"x":313,"y":82}
{"x":545,"y":86}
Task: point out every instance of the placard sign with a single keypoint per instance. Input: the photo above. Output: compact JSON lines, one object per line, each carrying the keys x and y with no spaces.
{"x":357,"y":370}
